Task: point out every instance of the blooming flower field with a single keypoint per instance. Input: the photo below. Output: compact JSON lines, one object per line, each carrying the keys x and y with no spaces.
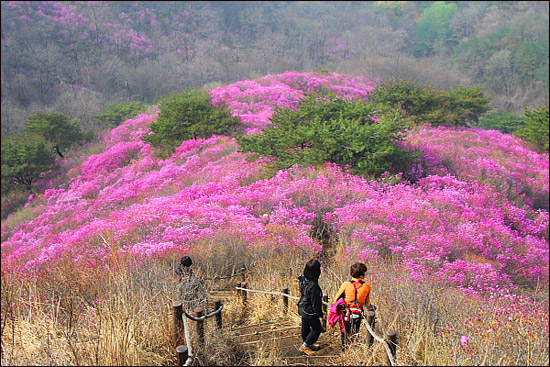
{"x":470,"y":214}
{"x":476,"y":215}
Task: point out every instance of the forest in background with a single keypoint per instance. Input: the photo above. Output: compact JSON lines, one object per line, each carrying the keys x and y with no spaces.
{"x":78,"y":58}
{"x":461,"y":225}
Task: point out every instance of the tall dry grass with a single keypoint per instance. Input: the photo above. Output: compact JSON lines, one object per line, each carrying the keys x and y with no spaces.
{"x":431,"y":319}
{"x":121,"y":315}
{"x":69,"y":317}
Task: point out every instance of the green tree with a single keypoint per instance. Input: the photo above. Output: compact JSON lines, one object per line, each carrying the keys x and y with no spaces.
{"x":434,"y":31}
{"x":536,"y":128}
{"x":474,"y":53}
{"x":332,"y":129}
{"x":463,"y":106}
{"x":528,"y":58}
{"x":414,"y":100}
{"x":24,"y":157}
{"x":502,"y":121}
{"x":189,"y":115}
{"x":58,"y":129}
{"x":117,"y":113}
{"x":460,"y":106}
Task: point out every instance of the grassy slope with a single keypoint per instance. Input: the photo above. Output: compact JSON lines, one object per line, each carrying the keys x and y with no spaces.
{"x":123,"y":216}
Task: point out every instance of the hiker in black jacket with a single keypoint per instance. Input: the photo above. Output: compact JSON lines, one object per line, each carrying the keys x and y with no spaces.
{"x":310,"y":306}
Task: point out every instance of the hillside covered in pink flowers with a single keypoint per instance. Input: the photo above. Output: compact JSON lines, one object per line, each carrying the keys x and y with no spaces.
{"x":472,"y":211}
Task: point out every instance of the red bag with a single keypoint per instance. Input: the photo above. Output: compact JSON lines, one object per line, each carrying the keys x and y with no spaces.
{"x":354,"y":309}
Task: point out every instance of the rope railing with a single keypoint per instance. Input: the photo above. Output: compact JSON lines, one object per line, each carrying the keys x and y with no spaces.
{"x":385,"y":343}
{"x":181,"y":326}
{"x":202,"y":318}
{"x":185,"y":356}
{"x":390,"y":350}
{"x":265,"y":292}
{"x":242,"y":272}
{"x":274,"y":293}
{"x":184,"y":352}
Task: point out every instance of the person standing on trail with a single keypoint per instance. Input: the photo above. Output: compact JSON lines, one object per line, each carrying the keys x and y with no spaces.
{"x":184,"y":269}
{"x":310,"y":306}
{"x":190,"y":289}
{"x":356,"y":293}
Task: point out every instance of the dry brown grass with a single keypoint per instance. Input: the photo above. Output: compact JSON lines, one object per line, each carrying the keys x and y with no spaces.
{"x":431,"y":318}
{"x":122,"y":315}
{"x":117,"y":317}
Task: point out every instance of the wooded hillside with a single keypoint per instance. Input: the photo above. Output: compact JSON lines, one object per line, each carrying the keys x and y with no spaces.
{"x":78,"y":58}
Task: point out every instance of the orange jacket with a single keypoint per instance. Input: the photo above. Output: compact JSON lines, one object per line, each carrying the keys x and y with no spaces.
{"x":363,"y":292}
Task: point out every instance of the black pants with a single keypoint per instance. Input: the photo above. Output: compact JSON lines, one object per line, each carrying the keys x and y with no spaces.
{"x":352,"y":327}
{"x":311,"y":329}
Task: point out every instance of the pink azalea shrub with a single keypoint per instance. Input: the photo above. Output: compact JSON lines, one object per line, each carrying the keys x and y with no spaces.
{"x":254,"y":100}
{"x":448,"y":229}
{"x":456,"y":220}
{"x":489,"y":157}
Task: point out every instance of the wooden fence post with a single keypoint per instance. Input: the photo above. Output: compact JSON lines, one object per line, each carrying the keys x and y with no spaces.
{"x":198,"y":312}
{"x":285,"y":300}
{"x":183,"y":354}
{"x":370,"y":320}
{"x":391,"y":338}
{"x":244,"y":294}
{"x":243,"y":271}
{"x":177,"y":330}
{"x":325,"y":311}
{"x":217,"y":305}
{"x":239,"y":292}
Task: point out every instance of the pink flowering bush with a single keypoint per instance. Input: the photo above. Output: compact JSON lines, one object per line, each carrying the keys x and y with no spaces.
{"x":489,"y":157}
{"x":466,"y":213}
{"x":449,"y":229}
{"x":254,"y":100}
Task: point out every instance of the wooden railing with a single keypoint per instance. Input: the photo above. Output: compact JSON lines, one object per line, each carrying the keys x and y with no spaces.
{"x":241,"y":273}
{"x":181,"y":330}
{"x":390,"y":343}
{"x":181,"y":327}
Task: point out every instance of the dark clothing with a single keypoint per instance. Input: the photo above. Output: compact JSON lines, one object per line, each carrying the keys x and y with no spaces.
{"x":352,"y":327}
{"x":311,"y":329}
{"x":310,"y":307}
{"x":190,"y":289}
{"x":311,"y":301}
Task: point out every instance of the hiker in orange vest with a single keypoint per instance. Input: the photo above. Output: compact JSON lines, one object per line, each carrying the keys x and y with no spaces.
{"x":356,"y":293}
{"x":310,"y":306}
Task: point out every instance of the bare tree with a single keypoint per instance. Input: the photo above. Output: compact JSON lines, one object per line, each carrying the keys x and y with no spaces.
{"x":82,"y":104}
